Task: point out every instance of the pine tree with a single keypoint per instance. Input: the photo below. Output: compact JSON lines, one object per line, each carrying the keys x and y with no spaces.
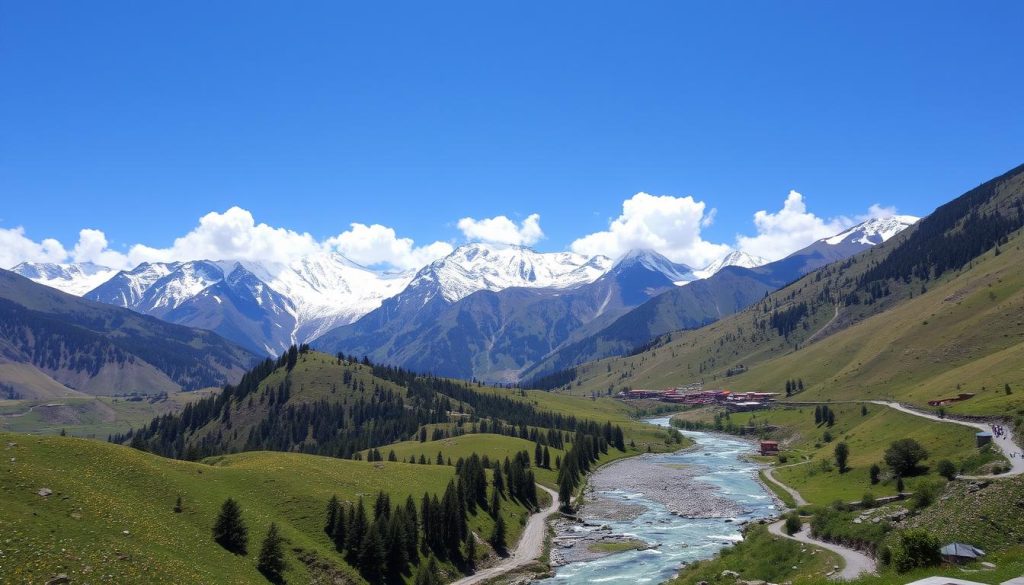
{"x":428,"y":573}
{"x":546,"y":460}
{"x":371,"y":554}
{"x":498,"y":536}
{"x":271,"y":562}
{"x":178,"y":506}
{"x":471,"y":550}
{"x":499,"y":481}
{"x":495,"y":506}
{"x":229,"y":530}
{"x":333,"y":506}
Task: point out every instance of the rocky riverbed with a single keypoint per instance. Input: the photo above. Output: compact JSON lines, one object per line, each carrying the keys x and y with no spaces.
{"x":682,"y":506}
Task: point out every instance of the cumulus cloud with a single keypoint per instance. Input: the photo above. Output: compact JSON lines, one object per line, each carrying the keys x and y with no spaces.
{"x":231,"y":235}
{"x":16,"y":247}
{"x":502,"y":230}
{"x":670,"y":225}
{"x":377,"y":244}
{"x":790,"y":229}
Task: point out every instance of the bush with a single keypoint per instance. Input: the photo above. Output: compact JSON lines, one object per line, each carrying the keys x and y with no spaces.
{"x":874,"y":472}
{"x":868,"y":501}
{"x":925,"y":492}
{"x":903,"y":456}
{"x":946,"y":469}
{"x":914,"y":549}
{"x":793,"y":524}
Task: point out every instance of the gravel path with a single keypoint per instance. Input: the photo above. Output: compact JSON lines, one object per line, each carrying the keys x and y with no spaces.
{"x":529,"y":549}
{"x":770,"y":475}
{"x":855,"y":562}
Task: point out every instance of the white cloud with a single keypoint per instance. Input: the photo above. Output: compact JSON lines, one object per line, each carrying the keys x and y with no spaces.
{"x":669,"y":225}
{"x":377,"y":244}
{"x":15,"y":248}
{"x":790,"y":229}
{"x":502,"y":230}
{"x":877,"y":211}
{"x":92,"y":247}
{"x":231,"y":235}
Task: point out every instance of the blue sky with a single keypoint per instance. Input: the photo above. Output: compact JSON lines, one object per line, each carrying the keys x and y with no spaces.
{"x":137,"y":119}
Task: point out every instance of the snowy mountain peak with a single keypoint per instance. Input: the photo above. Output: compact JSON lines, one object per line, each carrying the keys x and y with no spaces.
{"x":874,"y":231}
{"x":655,"y":262}
{"x":73,"y":278}
{"x":477,"y":266}
{"x":735,"y":258}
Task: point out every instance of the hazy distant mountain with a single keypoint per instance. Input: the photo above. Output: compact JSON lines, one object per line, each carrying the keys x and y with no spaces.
{"x":99,"y":349}
{"x":737,"y":258}
{"x":76,"y":279}
{"x":727,"y":291}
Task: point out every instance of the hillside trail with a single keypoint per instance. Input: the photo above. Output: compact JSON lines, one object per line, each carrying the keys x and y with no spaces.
{"x":855,"y":562}
{"x":770,"y":475}
{"x":1013,"y":452}
{"x":529,"y":548}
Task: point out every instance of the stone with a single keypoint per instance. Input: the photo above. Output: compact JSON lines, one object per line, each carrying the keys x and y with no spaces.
{"x":45,"y":492}
{"x":60,"y":579}
{"x":728,"y":573}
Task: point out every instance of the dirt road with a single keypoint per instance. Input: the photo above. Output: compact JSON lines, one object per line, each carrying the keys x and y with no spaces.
{"x":855,"y":562}
{"x":529,"y":548}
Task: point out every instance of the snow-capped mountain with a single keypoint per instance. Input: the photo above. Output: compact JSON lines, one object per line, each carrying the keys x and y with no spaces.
{"x":874,"y":231}
{"x":735,"y":258}
{"x":474,"y":267}
{"x":655,"y":262}
{"x":73,"y":278}
{"x":266,"y":306}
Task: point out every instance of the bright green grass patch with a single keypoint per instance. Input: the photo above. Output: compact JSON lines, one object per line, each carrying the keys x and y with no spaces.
{"x":762,"y":556}
{"x":101,"y":490}
{"x":617,"y":546}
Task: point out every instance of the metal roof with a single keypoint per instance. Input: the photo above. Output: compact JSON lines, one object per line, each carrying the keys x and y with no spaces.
{"x":959,"y":549}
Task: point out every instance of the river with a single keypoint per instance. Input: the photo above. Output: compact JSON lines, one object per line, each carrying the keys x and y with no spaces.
{"x":676,"y":540}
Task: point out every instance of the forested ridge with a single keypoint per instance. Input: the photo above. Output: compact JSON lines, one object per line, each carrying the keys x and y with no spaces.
{"x":352,"y":412}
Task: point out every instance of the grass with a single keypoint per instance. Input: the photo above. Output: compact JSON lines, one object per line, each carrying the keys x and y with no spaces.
{"x":617,"y":546}
{"x":102,"y":490}
{"x":762,"y":556}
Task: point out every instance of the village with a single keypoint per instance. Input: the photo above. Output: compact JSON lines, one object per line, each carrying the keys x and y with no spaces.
{"x":695,"y":395}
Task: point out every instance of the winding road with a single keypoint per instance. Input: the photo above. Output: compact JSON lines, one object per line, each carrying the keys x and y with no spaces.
{"x":855,"y":562}
{"x":1014,"y":453}
{"x":770,"y":475}
{"x":529,"y":548}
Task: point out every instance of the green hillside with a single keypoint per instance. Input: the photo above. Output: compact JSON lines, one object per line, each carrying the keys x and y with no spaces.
{"x":110,"y":516}
{"x":923,"y":331}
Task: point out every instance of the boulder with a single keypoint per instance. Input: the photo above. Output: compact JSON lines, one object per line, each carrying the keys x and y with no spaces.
{"x":45,"y":492}
{"x":60,"y":579}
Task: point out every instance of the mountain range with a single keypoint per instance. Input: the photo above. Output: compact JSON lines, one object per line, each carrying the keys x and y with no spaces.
{"x":54,"y":344}
{"x":487,"y":311}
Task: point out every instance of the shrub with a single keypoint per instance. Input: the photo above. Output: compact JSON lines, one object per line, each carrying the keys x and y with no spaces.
{"x":842,"y":453}
{"x":924,"y":494}
{"x":874,"y":472}
{"x":914,"y":549}
{"x":793,"y":524}
{"x":868,"y":501}
{"x":946,"y":469}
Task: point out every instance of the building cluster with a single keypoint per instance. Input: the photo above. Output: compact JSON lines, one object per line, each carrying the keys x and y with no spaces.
{"x":694,"y":394}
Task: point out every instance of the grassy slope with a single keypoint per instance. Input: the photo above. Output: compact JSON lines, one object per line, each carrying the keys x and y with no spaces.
{"x":101,"y":490}
{"x":762,"y":556}
{"x":966,"y":329}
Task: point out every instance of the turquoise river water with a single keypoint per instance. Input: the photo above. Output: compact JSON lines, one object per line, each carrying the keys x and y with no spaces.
{"x":679,"y":540}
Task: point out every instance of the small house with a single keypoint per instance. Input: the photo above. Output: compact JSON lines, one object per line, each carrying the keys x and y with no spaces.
{"x":769,"y":447}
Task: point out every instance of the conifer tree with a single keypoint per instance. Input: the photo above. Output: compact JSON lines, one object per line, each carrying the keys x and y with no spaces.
{"x":271,"y":561}
{"x":498,"y":536}
{"x":229,"y":530}
{"x":428,"y":573}
{"x":333,"y":507}
{"x":372,"y":554}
